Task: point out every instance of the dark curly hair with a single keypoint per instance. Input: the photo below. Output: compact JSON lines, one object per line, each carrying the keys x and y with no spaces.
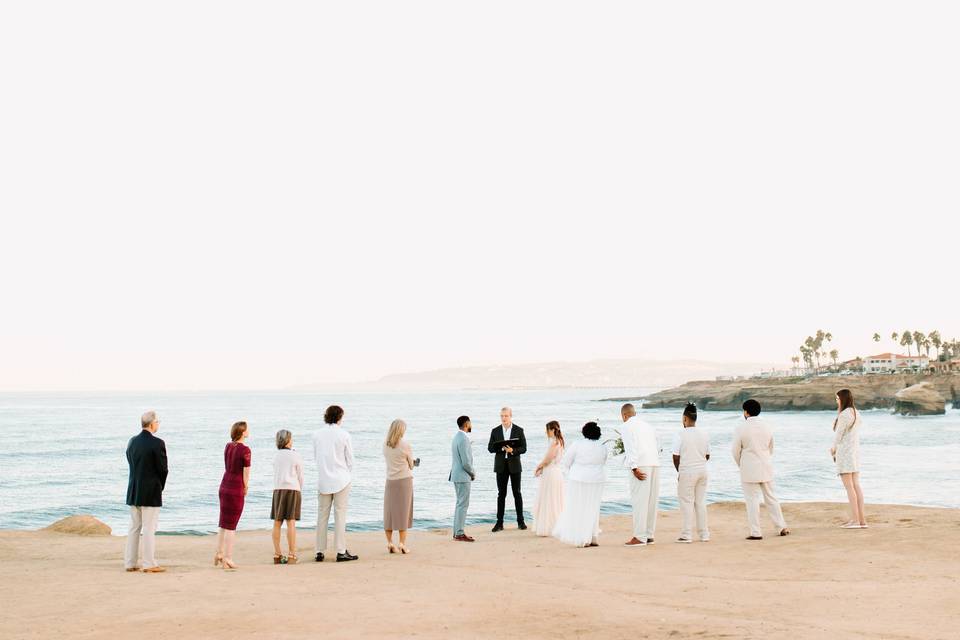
{"x":333,"y":414}
{"x":591,"y":431}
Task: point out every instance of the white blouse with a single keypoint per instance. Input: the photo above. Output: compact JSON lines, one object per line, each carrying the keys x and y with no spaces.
{"x":584,"y":461}
{"x":288,"y":470}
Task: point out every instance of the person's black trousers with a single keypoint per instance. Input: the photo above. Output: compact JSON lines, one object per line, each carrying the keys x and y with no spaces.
{"x":514,"y":479}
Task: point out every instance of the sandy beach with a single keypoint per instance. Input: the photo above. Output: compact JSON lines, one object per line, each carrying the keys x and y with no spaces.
{"x":896,"y":580}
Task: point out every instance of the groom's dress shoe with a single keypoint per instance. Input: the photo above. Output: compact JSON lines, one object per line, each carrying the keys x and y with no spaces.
{"x":346,"y":557}
{"x":498,"y":527}
{"x":522,"y":526}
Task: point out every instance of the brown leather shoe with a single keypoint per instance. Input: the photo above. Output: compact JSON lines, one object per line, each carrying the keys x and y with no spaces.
{"x":155,"y":570}
{"x":132,"y":569}
{"x":463,"y":538}
{"x":784,"y":532}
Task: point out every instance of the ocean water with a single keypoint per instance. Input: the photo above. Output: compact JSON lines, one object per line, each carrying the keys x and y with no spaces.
{"x":64,"y":454}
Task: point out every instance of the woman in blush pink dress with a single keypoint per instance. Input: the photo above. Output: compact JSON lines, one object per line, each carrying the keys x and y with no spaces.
{"x":549,"y":502}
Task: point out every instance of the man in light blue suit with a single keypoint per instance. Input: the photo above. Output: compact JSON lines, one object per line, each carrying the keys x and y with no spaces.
{"x":461,"y":475}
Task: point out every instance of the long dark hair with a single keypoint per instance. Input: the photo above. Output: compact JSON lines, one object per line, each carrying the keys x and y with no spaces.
{"x":846,"y":399}
{"x":846,"y":402}
{"x":554,"y":427}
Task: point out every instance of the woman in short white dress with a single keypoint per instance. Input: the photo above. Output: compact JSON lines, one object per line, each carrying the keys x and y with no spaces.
{"x":846,"y":455}
{"x":549,"y":502}
{"x":584,"y":460}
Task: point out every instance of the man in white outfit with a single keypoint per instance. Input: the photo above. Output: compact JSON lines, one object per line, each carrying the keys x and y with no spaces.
{"x":691,"y":451}
{"x":753,"y":451}
{"x":642,"y":457}
{"x":333,"y":453}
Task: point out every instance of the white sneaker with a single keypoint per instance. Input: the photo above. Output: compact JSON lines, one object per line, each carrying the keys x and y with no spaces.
{"x":707,"y":539}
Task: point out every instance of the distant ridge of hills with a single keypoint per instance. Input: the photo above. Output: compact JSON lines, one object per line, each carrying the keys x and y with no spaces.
{"x":546,"y":375}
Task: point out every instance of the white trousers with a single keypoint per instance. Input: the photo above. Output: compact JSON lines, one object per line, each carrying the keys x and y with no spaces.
{"x":752,"y":492}
{"x":644,"y":495}
{"x":692,"y":492}
{"x":143,"y":520}
{"x":339,"y":501}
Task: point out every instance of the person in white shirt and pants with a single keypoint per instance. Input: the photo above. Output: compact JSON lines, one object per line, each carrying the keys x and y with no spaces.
{"x":691,"y":450}
{"x":333,"y":453}
{"x":642,"y":458}
{"x":753,"y":451}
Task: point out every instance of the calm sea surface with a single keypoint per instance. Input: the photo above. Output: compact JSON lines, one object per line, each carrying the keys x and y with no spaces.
{"x":64,"y":454}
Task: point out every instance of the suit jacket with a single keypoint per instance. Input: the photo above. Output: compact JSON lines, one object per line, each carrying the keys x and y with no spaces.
{"x":502,"y":463}
{"x":147,"y":457}
{"x":753,"y":450}
{"x":462,"y":468}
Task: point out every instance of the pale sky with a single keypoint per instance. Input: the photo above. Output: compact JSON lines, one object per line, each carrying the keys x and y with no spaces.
{"x":254,"y":195}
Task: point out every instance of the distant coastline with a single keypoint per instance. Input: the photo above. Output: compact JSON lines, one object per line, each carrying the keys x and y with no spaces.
{"x":628,"y":373}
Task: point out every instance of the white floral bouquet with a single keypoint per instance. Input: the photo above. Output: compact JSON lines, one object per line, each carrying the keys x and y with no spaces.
{"x":617,"y":444}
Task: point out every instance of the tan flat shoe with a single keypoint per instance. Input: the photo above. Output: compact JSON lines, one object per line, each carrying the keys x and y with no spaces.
{"x":155,"y":570}
{"x":132,"y":569}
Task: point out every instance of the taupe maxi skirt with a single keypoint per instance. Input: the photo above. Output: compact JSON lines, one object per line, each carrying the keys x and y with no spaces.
{"x":398,"y":505}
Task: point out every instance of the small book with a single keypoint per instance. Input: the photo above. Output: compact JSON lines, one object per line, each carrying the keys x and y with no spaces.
{"x":513,"y":443}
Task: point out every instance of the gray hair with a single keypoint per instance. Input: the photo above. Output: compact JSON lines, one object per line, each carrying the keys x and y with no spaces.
{"x":148,"y":419}
{"x":283,"y":438}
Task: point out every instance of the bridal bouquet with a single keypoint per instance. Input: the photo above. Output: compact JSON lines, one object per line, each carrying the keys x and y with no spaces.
{"x":617,"y":443}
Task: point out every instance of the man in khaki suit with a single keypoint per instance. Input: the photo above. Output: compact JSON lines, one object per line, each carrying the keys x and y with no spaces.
{"x":752,"y":451}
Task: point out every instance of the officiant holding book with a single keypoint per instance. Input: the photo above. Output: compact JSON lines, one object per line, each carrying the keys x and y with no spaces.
{"x":507,"y":443}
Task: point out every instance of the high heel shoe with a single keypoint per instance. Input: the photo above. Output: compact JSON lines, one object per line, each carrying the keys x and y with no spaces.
{"x":218,"y":559}
{"x":403,"y":549}
{"x":391,"y":548}
{"x":228,"y":564}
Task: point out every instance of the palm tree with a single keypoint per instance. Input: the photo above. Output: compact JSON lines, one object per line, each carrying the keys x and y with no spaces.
{"x":936,"y":341}
{"x":906,"y":340}
{"x":894,"y":336}
{"x":807,"y":354}
{"x":796,"y":363}
{"x":918,"y":339}
{"x":834,"y":354}
{"x":876,"y":337}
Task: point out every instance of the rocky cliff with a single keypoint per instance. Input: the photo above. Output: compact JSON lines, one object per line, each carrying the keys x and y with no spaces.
{"x":811,"y":394}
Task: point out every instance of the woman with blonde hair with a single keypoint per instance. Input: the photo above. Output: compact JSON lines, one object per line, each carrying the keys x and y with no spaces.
{"x":398,"y":491}
{"x":846,"y":455}
{"x":287,"y":496}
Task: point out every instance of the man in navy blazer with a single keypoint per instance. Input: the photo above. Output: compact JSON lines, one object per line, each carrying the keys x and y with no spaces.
{"x":147,"y":458}
{"x":506,"y":464}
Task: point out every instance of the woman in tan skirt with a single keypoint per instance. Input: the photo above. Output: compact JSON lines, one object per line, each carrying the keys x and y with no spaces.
{"x":398,"y":492}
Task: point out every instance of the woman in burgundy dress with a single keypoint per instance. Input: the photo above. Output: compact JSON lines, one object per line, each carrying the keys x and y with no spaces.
{"x":233,"y":488}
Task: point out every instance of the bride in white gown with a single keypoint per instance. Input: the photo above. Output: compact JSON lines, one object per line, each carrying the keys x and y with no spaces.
{"x":584,"y":461}
{"x":549,"y":502}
